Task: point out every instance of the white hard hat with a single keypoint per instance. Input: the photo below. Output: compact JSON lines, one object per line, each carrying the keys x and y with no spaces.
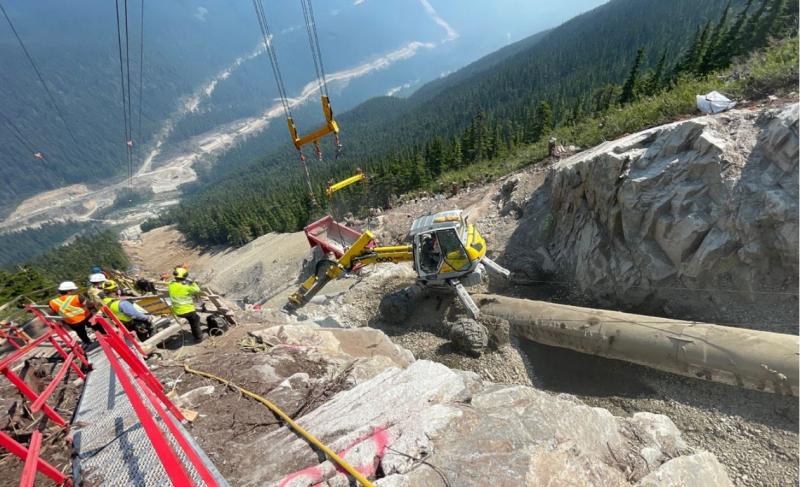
{"x":95,"y":278}
{"x":67,"y":286}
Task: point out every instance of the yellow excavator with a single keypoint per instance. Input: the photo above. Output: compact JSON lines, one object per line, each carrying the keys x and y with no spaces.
{"x":448,"y":253}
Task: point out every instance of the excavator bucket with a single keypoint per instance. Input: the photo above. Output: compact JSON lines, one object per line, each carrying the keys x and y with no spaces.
{"x":333,"y":237}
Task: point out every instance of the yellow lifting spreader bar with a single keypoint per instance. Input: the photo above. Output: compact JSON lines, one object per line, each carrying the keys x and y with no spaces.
{"x":332,"y":188}
{"x":330,"y":126}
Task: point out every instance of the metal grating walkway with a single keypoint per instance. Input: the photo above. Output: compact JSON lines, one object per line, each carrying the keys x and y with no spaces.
{"x":111,"y":446}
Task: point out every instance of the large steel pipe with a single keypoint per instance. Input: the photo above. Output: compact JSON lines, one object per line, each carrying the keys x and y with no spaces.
{"x":747,"y":358}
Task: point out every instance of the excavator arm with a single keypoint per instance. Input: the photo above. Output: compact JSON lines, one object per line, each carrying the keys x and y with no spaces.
{"x":359,"y":254}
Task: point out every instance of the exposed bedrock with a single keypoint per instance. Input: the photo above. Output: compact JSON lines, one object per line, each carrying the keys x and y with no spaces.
{"x":477,"y":433}
{"x":707,"y":203}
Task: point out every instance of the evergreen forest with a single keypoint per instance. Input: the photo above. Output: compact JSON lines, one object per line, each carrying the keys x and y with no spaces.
{"x":622,"y":67}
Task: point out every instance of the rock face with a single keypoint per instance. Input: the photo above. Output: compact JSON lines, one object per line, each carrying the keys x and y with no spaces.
{"x":710,"y":202}
{"x":473,"y":431}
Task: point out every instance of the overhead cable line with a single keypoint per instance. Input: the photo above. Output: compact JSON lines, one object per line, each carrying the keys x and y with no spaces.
{"x":130,"y":110}
{"x":41,"y":80}
{"x":141,"y":87}
{"x":17,"y":133}
{"x":313,"y":25}
{"x":273,"y":58}
{"x":276,"y":71}
{"x":125,"y":101}
{"x":313,"y":49}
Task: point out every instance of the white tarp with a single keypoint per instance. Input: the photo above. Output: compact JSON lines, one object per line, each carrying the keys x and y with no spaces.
{"x":714,"y":102}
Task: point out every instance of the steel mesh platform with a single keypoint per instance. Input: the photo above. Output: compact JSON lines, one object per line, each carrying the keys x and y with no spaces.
{"x":111,"y":446}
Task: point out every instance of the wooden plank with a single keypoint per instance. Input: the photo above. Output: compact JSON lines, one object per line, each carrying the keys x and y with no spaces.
{"x":189,"y":414}
{"x":152,"y":343}
{"x":221,"y":309}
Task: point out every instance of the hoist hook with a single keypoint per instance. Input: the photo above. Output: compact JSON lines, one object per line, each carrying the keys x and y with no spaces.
{"x":339,"y":148}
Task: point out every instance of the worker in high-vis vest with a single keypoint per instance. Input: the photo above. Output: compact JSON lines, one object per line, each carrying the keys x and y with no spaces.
{"x":181,"y":293}
{"x":95,"y":291}
{"x":73,"y":309}
{"x":130,"y":314}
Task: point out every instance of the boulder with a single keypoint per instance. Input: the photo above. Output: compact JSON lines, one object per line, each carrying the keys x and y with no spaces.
{"x":704,"y":203}
{"x":473,"y":433}
{"x":298,"y":335}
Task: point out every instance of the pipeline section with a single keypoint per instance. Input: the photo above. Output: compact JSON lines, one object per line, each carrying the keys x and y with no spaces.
{"x":747,"y":358}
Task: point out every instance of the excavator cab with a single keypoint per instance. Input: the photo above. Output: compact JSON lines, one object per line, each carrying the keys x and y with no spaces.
{"x":446,"y":247}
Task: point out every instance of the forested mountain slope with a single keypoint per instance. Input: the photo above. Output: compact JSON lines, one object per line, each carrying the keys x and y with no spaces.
{"x":583,"y":54}
{"x":203,"y":69}
{"x":576,"y":68}
{"x":75,"y":48}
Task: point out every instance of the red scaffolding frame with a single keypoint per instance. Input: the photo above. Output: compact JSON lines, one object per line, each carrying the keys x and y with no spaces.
{"x":30,"y":455}
{"x":17,"y":335}
{"x":119,"y":347}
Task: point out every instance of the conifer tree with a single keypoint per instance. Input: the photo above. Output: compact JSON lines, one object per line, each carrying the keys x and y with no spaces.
{"x":715,"y":41}
{"x":434,"y":156}
{"x":769,"y":25}
{"x":748,"y":36}
{"x":655,"y":80}
{"x":728,"y":45}
{"x":629,"y":89}
{"x":457,"y":153}
{"x":544,"y":120}
{"x":690,"y":59}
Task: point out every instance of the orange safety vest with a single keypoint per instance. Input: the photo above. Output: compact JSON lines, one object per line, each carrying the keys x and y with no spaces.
{"x":69,"y":307}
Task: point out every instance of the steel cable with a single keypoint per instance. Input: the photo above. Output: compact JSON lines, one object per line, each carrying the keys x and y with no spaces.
{"x":316,"y":41}
{"x":130,"y":111}
{"x":122,"y":81}
{"x":311,"y":44}
{"x":41,"y":80}
{"x":18,"y":134}
{"x":141,"y":87}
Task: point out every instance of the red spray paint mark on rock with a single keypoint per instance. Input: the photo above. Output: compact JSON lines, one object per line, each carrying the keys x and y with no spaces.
{"x":378,"y":440}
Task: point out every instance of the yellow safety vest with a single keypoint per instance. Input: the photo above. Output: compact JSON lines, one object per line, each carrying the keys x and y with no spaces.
{"x":69,"y":307}
{"x":181,"y":296}
{"x":113,"y":305}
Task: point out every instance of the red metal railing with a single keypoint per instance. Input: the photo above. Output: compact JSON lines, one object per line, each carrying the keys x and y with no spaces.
{"x":29,"y":470}
{"x":31,"y":458}
{"x":116,"y":344}
{"x":17,"y":335}
{"x":30,"y":455}
{"x":117,"y":352}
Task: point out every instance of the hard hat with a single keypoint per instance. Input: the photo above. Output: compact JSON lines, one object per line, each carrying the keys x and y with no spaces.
{"x":67,"y":286}
{"x":110,"y":285}
{"x":97,"y":270}
{"x":97,"y":277}
{"x":180,"y":273}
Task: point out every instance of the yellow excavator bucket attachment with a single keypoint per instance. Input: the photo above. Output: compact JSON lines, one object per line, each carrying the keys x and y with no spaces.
{"x":332,"y":188}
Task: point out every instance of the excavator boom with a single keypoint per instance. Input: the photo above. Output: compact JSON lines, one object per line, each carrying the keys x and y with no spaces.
{"x":359,"y":254}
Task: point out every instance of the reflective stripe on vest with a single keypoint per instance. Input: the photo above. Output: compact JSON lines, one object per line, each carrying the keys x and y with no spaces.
{"x":69,"y":307}
{"x":113,"y":305}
